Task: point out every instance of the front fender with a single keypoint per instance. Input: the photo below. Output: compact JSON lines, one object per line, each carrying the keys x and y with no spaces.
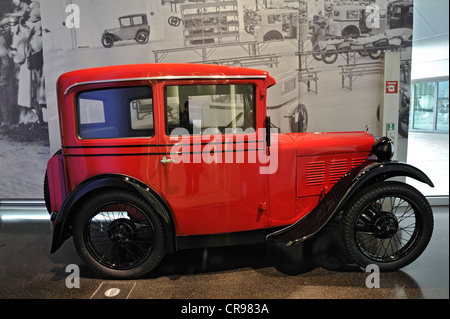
{"x":114,"y":36}
{"x":340,"y":194}
{"x":62,"y":227}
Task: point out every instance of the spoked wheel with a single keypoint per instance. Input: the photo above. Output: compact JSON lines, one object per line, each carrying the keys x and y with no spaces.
{"x":403,"y":122}
{"x":329,"y":56}
{"x":390,"y":226}
{"x":316,"y":52}
{"x":119,"y":235}
{"x":142,"y":37}
{"x":299,"y":120}
{"x":107,"y":41}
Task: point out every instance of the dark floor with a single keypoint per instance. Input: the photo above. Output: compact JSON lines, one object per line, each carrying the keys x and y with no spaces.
{"x":28,"y":270}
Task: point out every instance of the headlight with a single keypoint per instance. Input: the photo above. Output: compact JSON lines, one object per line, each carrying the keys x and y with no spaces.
{"x":383,"y":149}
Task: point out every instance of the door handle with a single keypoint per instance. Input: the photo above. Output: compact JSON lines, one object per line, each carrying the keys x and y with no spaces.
{"x":166,"y":160}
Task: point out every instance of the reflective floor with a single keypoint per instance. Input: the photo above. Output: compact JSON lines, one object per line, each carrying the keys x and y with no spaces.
{"x":28,"y":270}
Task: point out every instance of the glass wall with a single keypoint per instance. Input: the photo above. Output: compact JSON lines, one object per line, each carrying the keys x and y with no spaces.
{"x":430,"y":108}
{"x":442,"y":107}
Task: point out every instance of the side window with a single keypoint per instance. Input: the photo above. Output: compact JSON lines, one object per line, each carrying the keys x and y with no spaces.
{"x":216,"y":108}
{"x":125,"y":22}
{"x":115,"y":113}
{"x":352,"y":14}
{"x":138,"y":20}
{"x":289,"y":85}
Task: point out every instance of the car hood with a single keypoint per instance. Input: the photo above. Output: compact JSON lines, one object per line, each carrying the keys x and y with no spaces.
{"x":313,"y":144}
{"x":112,"y":30}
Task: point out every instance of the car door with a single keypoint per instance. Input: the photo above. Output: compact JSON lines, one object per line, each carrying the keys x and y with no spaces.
{"x":211,"y":173}
{"x":126,"y":28}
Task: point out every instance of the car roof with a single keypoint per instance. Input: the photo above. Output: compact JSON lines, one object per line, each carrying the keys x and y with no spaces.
{"x":349,"y":7}
{"x":157,"y":71}
{"x":132,"y":15}
{"x":402,"y":4}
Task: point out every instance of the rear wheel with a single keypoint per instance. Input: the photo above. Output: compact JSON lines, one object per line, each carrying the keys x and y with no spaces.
{"x":142,"y":37}
{"x":403,"y":122}
{"x":119,"y":235}
{"x":299,"y":120}
{"x":390,"y":225}
{"x":316,"y":52}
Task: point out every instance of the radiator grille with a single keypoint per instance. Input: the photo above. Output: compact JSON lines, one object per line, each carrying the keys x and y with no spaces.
{"x":357,"y":161}
{"x":319,"y":173}
{"x":315,"y":173}
{"x":337,"y":169}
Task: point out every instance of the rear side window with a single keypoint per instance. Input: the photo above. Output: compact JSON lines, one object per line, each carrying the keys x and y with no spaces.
{"x":115,"y":113}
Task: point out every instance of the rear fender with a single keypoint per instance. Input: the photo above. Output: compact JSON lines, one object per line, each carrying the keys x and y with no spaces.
{"x":62,"y":227}
{"x":55,"y":188}
{"x":340,"y":195}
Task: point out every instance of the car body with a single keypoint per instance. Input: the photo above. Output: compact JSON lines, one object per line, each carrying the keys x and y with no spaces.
{"x":160,"y":157}
{"x":276,"y":24}
{"x":400,"y":14}
{"x":131,"y":27}
{"x":354,"y":20}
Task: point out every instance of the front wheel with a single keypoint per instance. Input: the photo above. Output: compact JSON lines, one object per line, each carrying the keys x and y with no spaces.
{"x":329,"y":56}
{"x":107,"y":41}
{"x":119,"y":235}
{"x":390,"y":225}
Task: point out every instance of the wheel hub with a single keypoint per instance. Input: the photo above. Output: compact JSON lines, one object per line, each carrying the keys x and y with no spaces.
{"x":121,"y":230}
{"x":386,"y":226}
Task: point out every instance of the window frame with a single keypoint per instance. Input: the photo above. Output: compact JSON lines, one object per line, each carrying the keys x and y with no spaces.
{"x":251,"y":84}
{"x":434,"y":111}
{"x":78,"y":129}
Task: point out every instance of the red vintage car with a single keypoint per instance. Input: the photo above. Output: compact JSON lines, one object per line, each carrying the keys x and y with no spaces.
{"x":161,"y":157}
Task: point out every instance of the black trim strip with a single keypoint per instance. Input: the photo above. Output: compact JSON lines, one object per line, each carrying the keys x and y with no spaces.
{"x":151,"y":154}
{"x":161,"y":145}
{"x":113,"y":146}
{"x":117,"y":154}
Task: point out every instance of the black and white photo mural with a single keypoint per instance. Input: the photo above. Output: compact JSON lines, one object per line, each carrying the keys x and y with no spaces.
{"x":24,"y":139}
{"x":329,"y":59}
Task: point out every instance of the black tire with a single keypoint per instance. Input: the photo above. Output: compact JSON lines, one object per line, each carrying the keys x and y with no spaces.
{"x":142,"y":37}
{"x":174,"y":21}
{"x":329,"y":56}
{"x":302,"y":119}
{"x":316,"y":52}
{"x":273,"y":36}
{"x":389,"y":225}
{"x":403,"y":122}
{"x":107,"y":41}
{"x":350,"y":31}
{"x":375,"y":54}
{"x":119,"y":235}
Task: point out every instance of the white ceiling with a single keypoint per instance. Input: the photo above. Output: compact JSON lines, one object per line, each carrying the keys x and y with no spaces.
{"x":430,"y":18}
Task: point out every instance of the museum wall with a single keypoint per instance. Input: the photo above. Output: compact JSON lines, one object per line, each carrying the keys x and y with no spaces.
{"x":329,"y":61}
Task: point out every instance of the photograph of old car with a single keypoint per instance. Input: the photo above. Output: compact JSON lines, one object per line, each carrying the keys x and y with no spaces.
{"x":131,"y":27}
